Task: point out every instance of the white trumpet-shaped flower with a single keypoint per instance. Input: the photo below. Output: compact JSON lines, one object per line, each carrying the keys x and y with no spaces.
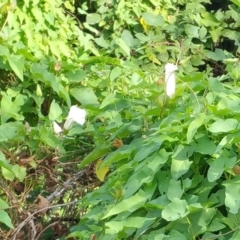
{"x":77,"y":115}
{"x":56,"y":128}
{"x":170,"y":81}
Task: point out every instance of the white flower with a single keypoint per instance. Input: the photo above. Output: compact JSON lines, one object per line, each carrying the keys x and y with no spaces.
{"x":170,"y":82}
{"x":56,"y":128}
{"x":77,"y":115}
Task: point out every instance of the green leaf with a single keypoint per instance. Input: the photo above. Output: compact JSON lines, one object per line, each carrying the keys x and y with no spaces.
{"x":15,"y":131}
{"x":192,"y":31}
{"x":226,"y":140}
{"x":235,"y":236}
{"x":179,"y":167}
{"x":205,"y":145}
{"x":202,"y":33}
{"x":180,"y":163}
{"x":8,"y":174}
{"x":209,"y":20}
{"x":5,"y":219}
{"x":4,"y":51}
{"x":177,"y":235}
{"x":17,"y":65}
{"x":131,"y":222}
{"x":129,"y":205}
{"x":85,"y":96}
{"x":175,"y":210}
{"x":116,"y":72}
{"x":237,"y":2}
{"x":121,"y":153}
{"x":109,"y":99}
{"x":55,"y":111}
{"x":222,"y":126}
{"x":123,"y":45}
{"x":216,"y":34}
{"x":218,"y":166}
{"x":138,"y":178}
{"x":153,"y":20}
{"x":127,"y":37}
{"x":49,"y":138}
{"x":174,"y":190}
{"x":20,"y":172}
{"x":232,"y":194}
{"x":97,"y":153}
{"x":76,"y":76}
{"x":93,"y":18}
{"x":4,"y":163}
{"x":3,"y":204}
{"x":146,"y":150}
{"x":193,"y":127}
{"x":218,"y":55}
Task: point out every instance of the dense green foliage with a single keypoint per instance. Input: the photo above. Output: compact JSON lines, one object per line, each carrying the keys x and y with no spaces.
{"x":168,"y":167}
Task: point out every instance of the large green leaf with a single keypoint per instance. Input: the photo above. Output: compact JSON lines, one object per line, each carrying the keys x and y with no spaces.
{"x":3,"y":204}
{"x":76,"y":76}
{"x":153,"y":20}
{"x":174,"y":190}
{"x":232,"y":194}
{"x":175,"y":210}
{"x":130,"y":205}
{"x":193,"y":127}
{"x":5,"y":219}
{"x":84,"y":95}
{"x":55,"y":111}
{"x":17,"y":65}
{"x":221,"y":125}
{"x":97,"y":153}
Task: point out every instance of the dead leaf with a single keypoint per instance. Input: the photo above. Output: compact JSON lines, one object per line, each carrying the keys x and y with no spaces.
{"x":57,"y":66}
{"x":117,"y":143}
{"x":160,"y":81}
{"x":236,"y":169}
{"x":41,"y":203}
{"x":101,"y":171}
{"x":93,"y":237}
{"x":25,"y":161}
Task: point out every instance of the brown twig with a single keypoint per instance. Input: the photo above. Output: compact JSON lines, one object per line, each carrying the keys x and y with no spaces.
{"x":30,"y":216}
{"x":60,"y":190}
{"x":50,"y":225}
